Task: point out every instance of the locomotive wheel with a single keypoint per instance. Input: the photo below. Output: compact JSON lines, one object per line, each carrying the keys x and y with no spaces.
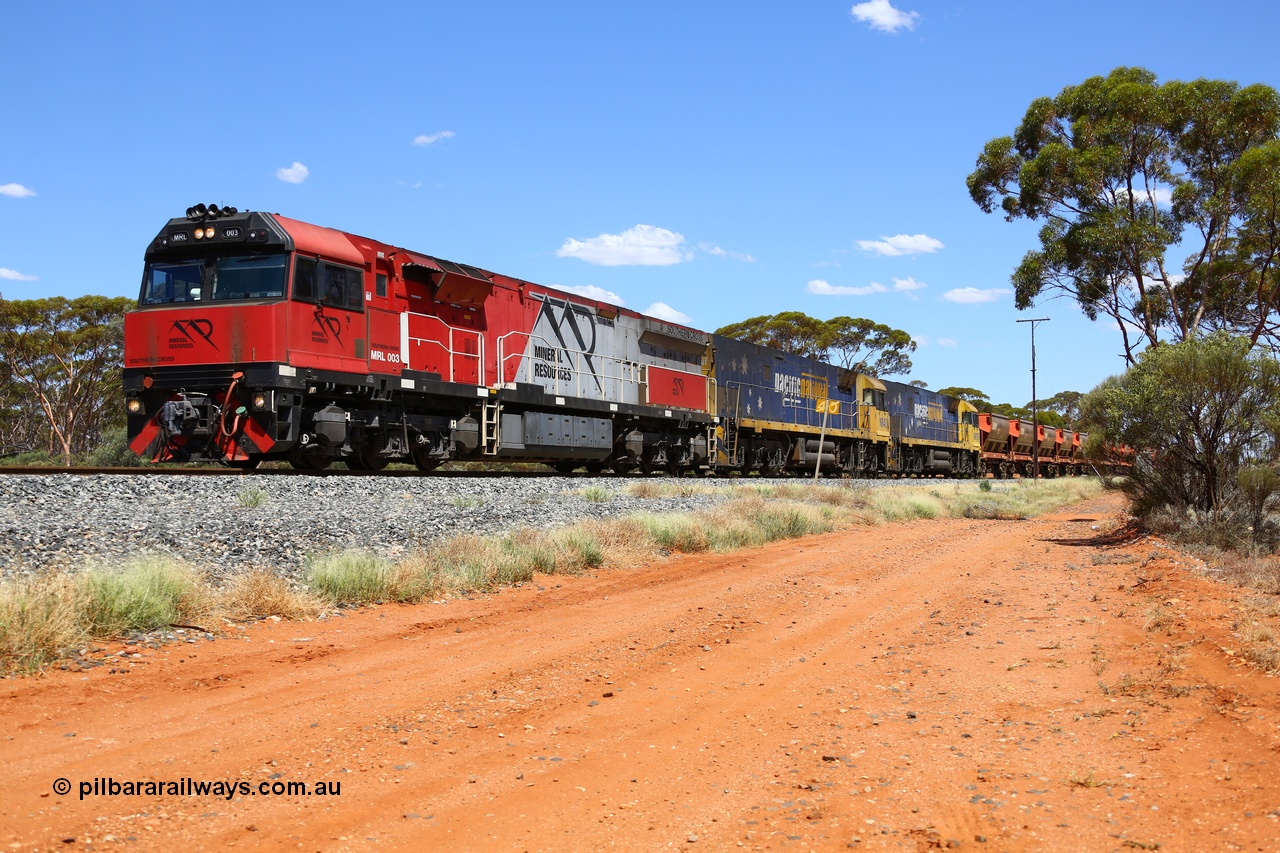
{"x":423,"y":461}
{"x":595,"y":467}
{"x":364,"y":460}
{"x":564,"y":467}
{"x":310,"y":461}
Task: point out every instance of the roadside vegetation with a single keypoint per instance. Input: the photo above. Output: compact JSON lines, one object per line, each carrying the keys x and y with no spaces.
{"x":46,"y":618}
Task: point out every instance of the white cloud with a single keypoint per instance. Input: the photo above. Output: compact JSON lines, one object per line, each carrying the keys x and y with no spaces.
{"x":972,"y":295}
{"x":1162,"y":196}
{"x":14,"y":275}
{"x":882,"y":16}
{"x":295,"y":174}
{"x":643,"y":245}
{"x":724,"y":253}
{"x":920,"y":340}
{"x":663,"y":311}
{"x":946,"y":342}
{"x":426,"y":139}
{"x":822,"y":288}
{"x":901,"y":244}
{"x":900,"y":285}
{"x":16,"y":191}
{"x":592,"y":292}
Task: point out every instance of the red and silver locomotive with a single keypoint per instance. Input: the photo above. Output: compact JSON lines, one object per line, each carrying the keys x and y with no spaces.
{"x":259,"y":337}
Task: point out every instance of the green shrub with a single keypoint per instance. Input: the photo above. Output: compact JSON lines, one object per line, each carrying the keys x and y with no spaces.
{"x":350,"y":576}
{"x":250,"y":497}
{"x":113,"y":452}
{"x":31,"y":459}
{"x":145,"y":594}
{"x":672,"y":532}
{"x":577,"y":551}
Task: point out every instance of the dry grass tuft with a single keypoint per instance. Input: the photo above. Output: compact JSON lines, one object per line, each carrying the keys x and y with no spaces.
{"x":1088,"y":780}
{"x":1257,"y":636}
{"x":1158,"y":618}
{"x":39,"y":621}
{"x":261,"y":593}
{"x":643,"y":489}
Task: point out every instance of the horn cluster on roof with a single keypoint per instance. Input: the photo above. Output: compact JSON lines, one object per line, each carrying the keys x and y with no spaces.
{"x":201,"y":212}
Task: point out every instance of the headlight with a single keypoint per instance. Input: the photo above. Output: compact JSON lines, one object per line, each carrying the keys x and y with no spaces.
{"x":260,"y":400}
{"x":134,"y":406}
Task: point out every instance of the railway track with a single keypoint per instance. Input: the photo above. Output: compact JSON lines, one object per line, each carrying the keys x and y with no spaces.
{"x":406,"y":473}
{"x":269,"y":472}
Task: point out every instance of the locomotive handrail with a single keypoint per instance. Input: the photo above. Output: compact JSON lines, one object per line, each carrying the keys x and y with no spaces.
{"x":926,"y":431}
{"x":627,"y":373}
{"x":450,"y":352}
{"x":845,"y":420}
{"x":619,"y":380}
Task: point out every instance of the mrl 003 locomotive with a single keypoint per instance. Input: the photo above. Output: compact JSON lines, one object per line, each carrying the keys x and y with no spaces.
{"x":259,"y":337}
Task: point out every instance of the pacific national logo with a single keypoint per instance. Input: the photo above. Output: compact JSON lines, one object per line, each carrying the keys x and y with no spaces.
{"x":804,"y":385}
{"x":184,"y":333}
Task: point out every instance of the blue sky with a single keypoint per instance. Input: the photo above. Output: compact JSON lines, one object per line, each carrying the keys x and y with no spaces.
{"x":711,"y":160}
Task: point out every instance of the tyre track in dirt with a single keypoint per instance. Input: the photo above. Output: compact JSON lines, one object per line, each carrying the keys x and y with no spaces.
{"x":965,"y":683}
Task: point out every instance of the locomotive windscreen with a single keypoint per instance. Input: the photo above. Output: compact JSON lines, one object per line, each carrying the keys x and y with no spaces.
{"x":214,"y":279}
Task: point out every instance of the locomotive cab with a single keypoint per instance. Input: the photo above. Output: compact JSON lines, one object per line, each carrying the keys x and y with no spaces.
{"x":229,"y":303}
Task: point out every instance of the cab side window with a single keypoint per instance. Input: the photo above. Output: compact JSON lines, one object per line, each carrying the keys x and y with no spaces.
{"x":304,"y":279}
{"x":343,"y":287}
{"x":328,"y":284}
{"x":355,"y":289}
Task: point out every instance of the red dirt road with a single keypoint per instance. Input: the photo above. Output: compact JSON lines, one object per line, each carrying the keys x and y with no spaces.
{"x":979,"y":685}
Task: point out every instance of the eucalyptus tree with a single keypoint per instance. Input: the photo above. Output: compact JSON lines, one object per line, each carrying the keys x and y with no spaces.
{"x":62,"y":362}
{"x":1123,"y":171}
{"x":865,"y":346}
{"x":789,"y":331}
{"x":853,"y":343}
